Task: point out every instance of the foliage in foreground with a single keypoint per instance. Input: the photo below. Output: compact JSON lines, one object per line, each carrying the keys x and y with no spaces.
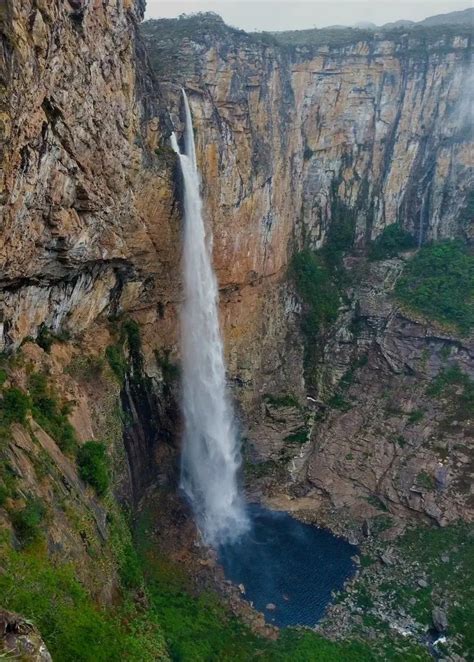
{"x":439,"y":283}
{"x":74,"y":629}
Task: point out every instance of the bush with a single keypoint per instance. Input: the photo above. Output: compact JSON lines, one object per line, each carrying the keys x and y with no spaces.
{"x":439,"y":283}
{"x":14,"y":406}
{"x":318,"y":291}
{"x":50,"y":414}
{"x":92,"y":462}
{"x":116,"y":359}
{"x":392,"y":241}
{"x":458,"y":388}
{"x":26,"y":522}
{"x":281,"y":400}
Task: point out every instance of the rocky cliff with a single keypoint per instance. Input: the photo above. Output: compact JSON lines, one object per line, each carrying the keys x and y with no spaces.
{"x":294,"y":140}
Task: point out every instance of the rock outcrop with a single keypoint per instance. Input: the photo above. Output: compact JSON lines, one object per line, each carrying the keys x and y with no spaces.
{"x":19,"y":639}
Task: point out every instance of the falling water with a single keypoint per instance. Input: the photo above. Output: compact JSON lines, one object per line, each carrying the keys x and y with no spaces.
{"x":210,"y":456}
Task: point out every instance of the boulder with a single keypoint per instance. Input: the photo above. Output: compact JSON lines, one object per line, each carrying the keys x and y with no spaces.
{"x":440,"y":619}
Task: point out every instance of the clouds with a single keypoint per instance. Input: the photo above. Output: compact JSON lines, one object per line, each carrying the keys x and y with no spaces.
{"x":300,"y":14}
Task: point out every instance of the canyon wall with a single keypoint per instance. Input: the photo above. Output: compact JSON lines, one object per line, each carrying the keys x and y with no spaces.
{"x":289,"y":139}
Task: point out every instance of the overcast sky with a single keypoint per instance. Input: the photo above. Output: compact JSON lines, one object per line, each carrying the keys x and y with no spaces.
{"x":287,"y":15}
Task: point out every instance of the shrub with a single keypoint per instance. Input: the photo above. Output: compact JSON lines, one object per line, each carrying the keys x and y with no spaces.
{"x":50,"y":414}
{"x":415,"y":416}
{"x":116,"y":359}
{"x":458,"y":387}
{"x":26,"y":522}
{"x":46,"y":338}
{"x":439,"y":283}
{"x":318,"y":291}
{"x":4,"y":494}
{"x":425,"y":481}
{"x":92,"y":462}
{"x":300,"y":436}
{"x":14,"y":406}
{"x":393,"y":240}
{"x":281,"y":400}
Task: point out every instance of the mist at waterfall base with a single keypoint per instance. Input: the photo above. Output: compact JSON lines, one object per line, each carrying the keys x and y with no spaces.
{"x":279,"y":559}
{"x":287,"y":564}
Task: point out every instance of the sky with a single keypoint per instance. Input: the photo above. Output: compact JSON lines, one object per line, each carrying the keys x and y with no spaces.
{"x":301,"y":14}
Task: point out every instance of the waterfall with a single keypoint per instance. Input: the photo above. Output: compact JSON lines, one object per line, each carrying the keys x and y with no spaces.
{"x":211,"y":453}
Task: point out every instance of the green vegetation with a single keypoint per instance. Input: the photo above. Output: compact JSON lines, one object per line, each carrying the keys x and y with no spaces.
{"x":26,"y":522}
{"x":169,"y":369}
{"x":439,"y":283}
{"x":453,"y":576}
{"x":337,"y":401}
{"x":286,"y":400}
{"x":115,"y":354}
{"x":300,"y":436}
{"x":50,"y":414}
{"x":46,"y":338}
{"x":14,"y":406}
{"x":319,"y":277}
{"x":200,"y":628}
{"x":392,"y":241}
{"x":92,"y":463}
{"x":376,"y":502}
{"x":74,"y":629}
{"x":318,"y":291}
{"x":116,"y":359}
{"x":425,"y":481}
{"x":457,"y":389}
{"x":415,"y":416}
{"x":467,"y":212}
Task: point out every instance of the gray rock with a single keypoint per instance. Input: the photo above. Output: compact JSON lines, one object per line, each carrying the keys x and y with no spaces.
{"x":440,"y":619}
{"x":422,"y":583}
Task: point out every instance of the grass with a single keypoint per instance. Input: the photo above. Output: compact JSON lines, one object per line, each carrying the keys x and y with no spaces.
{"x":46,"y":338}
{"x":199,"y":628}
{"x":73,"y":627}
{"x":318,"y":291}
{"x":439,"y":283}
{"x":116,"y":358}
{"x":453,"y":579}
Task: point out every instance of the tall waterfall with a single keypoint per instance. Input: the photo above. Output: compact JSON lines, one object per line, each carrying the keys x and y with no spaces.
{"x":211,"y":454}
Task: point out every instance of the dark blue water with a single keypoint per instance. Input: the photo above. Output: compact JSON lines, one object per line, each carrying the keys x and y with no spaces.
{"x":293,"y":565}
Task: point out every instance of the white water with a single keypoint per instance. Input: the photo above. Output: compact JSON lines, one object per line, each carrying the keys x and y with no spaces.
{"x":211,"y":454}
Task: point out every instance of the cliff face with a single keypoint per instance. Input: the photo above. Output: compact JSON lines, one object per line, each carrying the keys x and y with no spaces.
{"x":290,"y":140}
{"x":290,"y":136}
{"x":77,"y":237}
{"x":383,"y":125}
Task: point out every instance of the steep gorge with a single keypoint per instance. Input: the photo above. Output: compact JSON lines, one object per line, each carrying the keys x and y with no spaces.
{"x":290,"y":140}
